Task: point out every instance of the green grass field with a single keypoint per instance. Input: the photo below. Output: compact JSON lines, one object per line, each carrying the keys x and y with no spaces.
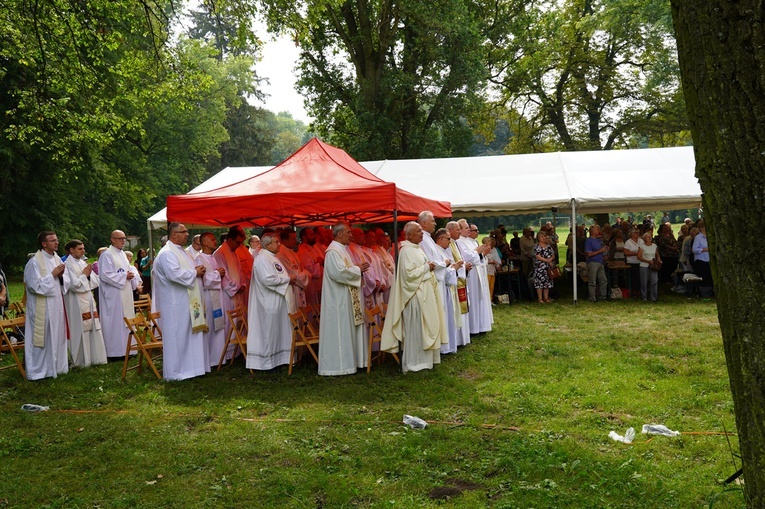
{"x":519,"y":419}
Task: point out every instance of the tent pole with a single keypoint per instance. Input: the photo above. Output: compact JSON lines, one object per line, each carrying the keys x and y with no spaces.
{"x":395,"y":237}
{"x":575,"y":272}
{"x":151,"y":243}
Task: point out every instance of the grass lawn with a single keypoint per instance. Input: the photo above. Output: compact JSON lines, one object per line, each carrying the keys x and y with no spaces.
{"x":520,"y":419}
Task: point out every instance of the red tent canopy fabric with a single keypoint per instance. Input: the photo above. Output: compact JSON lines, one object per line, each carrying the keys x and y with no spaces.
{"x":318,"y":184}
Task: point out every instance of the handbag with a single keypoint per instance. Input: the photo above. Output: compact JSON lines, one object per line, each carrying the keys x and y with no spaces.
{"x":655,"y":265}
{"x":553,"y":273}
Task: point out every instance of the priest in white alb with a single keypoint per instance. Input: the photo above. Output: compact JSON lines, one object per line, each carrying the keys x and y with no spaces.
{"x":178,"y":298}
{"x":215,"y":337}
{"x":463,"y":334}
{"x":427,"y":222}
{"x":477,"y":294}
{"x":46,"y":280}
{"x":415,"y":315}
{"x":269,"y":335}
{"x":86,"y":343}
{"x":341,"y":329}
{"x":115,"y":301}
{"x":447,"y":283}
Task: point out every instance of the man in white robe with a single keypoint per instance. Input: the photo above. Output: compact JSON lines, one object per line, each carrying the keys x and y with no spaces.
{"x":195,"y":247}
{"x":215,"y":337}
{"x":427,"y":223}
{"x":487,"y":315}
{"x":449,"y":291}
{"x":415,"y":314}
{"x":463,"y":336}
{"x":233,"y":284}
{"x":371,"y":281}
{"x":313,"y":262}
{"x":383,"y":243}
{"x":342,"y":346}
{"x":378,"y":265}
{"x":291,"y":263}
{"x":86,"y":343}
{"x":472,"y":253}
{"x":115,"y":301}
{"x":254,"y":244}
{"x":178,"y":298}
{"x":269,"y":336}
{"x":46,"y":281}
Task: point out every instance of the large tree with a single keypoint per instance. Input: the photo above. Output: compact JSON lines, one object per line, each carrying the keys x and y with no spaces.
{"x":721,"y":45}
{"x":590,"y":75}
{"x":388,"y":78}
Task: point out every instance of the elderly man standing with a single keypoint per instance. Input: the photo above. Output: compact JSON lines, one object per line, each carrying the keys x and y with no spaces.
{"x":195,"y":247}
{"x":435,"y":254}
{"x":487,"y":315}
{"x":291,"y":262}
{"x":342,"y":347}
{"x":269,"y":336}
{"x":371,"y":285}
{"x":234,"y":284}
{"x":453,"y":228}
{"x":178,"y":298}
{"x":46,"y":281}
{"x":313,"y":262}
{"x":215,"y":337}
{"x":447,"y":282}
{"x":477,"y":294}
{"x":86,"y":343}
{"x":115,"y":300}
{"x":415,"y":315}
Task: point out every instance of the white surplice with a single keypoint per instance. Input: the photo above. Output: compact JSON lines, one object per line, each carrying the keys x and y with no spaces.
{"x":212,"y":294}
{"x":269,"y":335}
{"x":451,"y":304}
{"x":435,"y":254}
{"x":183,"y":352}
{"x":86,"y":343}
{"x":115,"y":299}
{"x":341,"y":342}
{"x":477,"y":288}
{"x":291,"y":263}
{"x":51,"y":359}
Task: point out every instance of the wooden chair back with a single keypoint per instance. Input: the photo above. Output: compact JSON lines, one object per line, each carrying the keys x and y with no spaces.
{"x":143,"y":305}
{"x":12,"y":339}
{"x":237,"y":335}
{"x":141,"y":340}
{"x":15,"y":310}
{"x":375,"y":321}
{"x":303,"y":336}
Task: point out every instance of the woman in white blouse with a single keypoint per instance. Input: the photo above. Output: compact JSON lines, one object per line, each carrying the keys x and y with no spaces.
{"x":650,"y":262}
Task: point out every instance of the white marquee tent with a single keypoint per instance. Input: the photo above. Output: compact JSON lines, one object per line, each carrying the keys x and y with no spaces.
{"x":590,"y":182}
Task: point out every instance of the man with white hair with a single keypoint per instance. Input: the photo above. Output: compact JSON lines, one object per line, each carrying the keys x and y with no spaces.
{"x":115,"y":299}
{"x":86,"y":343}
{"x":254,"y":246}
{"x":427,"y":223}
{"x":463,"y":336}
{"x":269,"y":336}
{"x":477,"y":294}
{"x":195,"y":247}
{"x":342,"y":348}
{"x":415,"y":314}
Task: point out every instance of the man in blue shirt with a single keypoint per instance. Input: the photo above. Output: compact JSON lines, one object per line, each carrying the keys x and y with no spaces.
{"x":595,"y":249}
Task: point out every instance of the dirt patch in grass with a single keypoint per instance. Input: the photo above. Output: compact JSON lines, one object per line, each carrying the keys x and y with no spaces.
{"x":455,"y":489}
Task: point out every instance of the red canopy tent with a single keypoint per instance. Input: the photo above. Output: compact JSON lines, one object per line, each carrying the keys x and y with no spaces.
{"x":318,"y":184}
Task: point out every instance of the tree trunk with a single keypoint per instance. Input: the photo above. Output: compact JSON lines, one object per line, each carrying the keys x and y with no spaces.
{"x":721,"y":47}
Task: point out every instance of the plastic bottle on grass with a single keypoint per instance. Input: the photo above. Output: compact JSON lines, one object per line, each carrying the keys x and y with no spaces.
{"x":28,"y":407}
{"x":414,"y":422}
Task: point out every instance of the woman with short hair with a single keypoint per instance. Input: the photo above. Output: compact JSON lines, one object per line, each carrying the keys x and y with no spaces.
{"x":650,"y":262}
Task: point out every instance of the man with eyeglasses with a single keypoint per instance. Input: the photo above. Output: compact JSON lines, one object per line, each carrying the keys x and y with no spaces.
{"x":479,"y":320}
{"x":46,"y":281}
{"x":115,"y":295}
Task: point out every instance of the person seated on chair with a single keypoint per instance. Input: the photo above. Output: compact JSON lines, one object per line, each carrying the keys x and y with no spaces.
{"x":269,"y":336}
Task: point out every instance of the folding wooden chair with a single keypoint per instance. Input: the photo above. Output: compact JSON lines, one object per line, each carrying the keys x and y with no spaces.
{"x":143,"y":305}
{"x":141,"y":340}
{"x":316,"y":311}
{"x":310,"y":316}
{"x":15,"y":310}
{"x":237,"y":335}
{"x":12,"y":339}
{"x":303,"y":335}
{"x":153,"y":318}
{"x":375,"y":320}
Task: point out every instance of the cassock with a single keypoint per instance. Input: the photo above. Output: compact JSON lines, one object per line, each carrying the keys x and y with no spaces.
{"x":382,"y":274}
{"x":477,"y":294}
{"x":435,"y":254}
{"x":451,"y":304}
{"x":390,"y":267}
{"x":269,"y":335}
{"x":233,"y":285}
{"x":215,"y":337}
{"x":415,"y":315}
{"x":463,"y":335}
{"x":312,"y":261}
{"x":115,"y":299}
{"x":176,"y":289}
{"x":86,"y":343}
{"x":369,"y":278}
{"x":45,"y":353}
{"x":342,"y":346}
{"x":291,"y":263}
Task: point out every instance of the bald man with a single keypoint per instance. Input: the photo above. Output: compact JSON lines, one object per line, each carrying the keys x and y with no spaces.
{"x":115,"y":292}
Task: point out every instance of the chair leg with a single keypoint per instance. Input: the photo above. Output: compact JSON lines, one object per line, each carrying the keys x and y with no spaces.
{"x":369,"y":353}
